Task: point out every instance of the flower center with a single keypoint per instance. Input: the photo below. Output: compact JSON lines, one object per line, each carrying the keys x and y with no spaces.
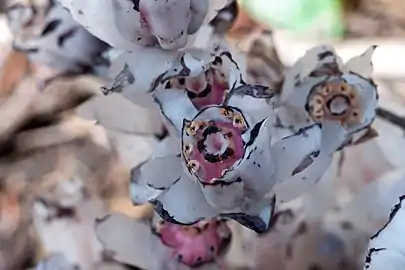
{"x":338,"y":105}
{"x":196,"y":244}
{"x":215,"y":146}
{"x":196,"y":84}
{"x":336,"y":101}
{"x":216,"y":143}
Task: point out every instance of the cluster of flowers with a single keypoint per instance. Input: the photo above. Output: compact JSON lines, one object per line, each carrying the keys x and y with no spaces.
{"x":234,"y":149}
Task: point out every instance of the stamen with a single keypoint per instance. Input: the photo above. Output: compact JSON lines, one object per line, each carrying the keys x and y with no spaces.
{"x":227,"y":113}
{"x":188,"y":148}
{"x":192,"y":128}
{"x":193,"y":165}
{"x":239,"y":122}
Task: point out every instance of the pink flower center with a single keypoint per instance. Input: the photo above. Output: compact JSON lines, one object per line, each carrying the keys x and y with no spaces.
{"x":216,"y":143}
{"x":218,"y":146}
{"x":197,"y":244}
{"x":211,"y":91}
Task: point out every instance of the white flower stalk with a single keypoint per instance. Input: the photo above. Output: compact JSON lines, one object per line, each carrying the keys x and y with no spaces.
{"x":56,"y":261}
{"x":127,"y":24}
{"x":48,"y":34}
{"x":161,"y":245}
{"x":386,"y":249}
{"x":320,"y":88}
{"x":226,"y":165}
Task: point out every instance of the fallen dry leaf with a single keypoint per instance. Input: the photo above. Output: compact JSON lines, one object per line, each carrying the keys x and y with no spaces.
{"x":15,"y":67}
{"x":16,"y":109}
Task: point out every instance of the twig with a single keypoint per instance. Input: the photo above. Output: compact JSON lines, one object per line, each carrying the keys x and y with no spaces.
{"x":391,"y":117}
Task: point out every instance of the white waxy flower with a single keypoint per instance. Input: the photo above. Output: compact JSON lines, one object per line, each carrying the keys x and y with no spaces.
{"x":386,"y":249}
{"x":205,"y":75}
{"x":162,"y":245}
{"x":49,"y":35}
{"x":226,"y":165}
{"x":127,"y":24}
{"x":320,"y":88}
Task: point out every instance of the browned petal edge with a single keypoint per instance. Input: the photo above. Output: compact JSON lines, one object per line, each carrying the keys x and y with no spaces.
{"x":370,"y":134}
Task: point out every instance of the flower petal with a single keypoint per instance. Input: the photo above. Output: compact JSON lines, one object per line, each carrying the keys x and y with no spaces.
{"x":188,"y":63}
{"x":368,"y":101}
{"x":256,"y":168}
{"x":154,"y":176}
{"x":169,"y":20}
{"x":160,"y":173}
{"x":295,"y":153}
{"x":99,"y":19}
{"x":313,"y":167}
{"x":175,"y":106}
{"x":107,"y":111}
{"x":168,"y":146}
{"x":128,"y":241}
{"x":135,"y":73}
{"x":313,"y":60}
{"x":255,"y":215}
{"x":183,"y":203}
{"x":224,"y":195}
{"x":379,"y":258}
{"x":386,"y":249}
{"x":131,"y":23}
{"x":231,"y":66}
{"x":256,"y":91}
{"x":362,"y":64}
{"x":255,"y":109}
{"x":140,"y":192}
{"x":199,"y":10}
